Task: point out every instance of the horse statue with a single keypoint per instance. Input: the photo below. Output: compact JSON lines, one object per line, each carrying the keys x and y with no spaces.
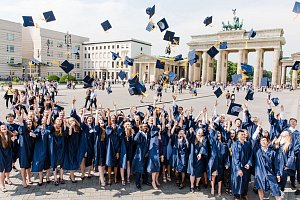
{"x":225,"y":27}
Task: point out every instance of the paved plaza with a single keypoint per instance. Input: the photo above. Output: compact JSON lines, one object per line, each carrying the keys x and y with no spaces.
{"x":90,"y":189}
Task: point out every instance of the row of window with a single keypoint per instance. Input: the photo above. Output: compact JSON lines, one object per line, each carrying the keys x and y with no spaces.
{"x":96,"y":55}
{"x":104,"y":64}
{"x":59,"y":44}
{"x":108,"y":47}
{"x":104,"y":75}
{"x":61,"y":55}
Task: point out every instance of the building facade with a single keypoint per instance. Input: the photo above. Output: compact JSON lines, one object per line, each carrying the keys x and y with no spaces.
{"x":10,"y":49}
{"x":288,"y":63}
{"x":97,"y":57}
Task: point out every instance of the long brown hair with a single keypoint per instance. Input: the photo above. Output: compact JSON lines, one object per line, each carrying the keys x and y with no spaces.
{"x":5,"y":143}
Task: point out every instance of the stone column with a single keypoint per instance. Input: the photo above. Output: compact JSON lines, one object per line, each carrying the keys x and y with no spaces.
{"x":275,"y":69}
{"x":219,"y":67}
{"x":261,"y":67}
{"x":197,"y":66}
{"x":241,"y":60}
{"x":257,"y":66}
{"x":294,"y":79}
{"x":140,"y":72}
{"x":224,"y":66}
{"x":191,"y":73}
{"x":283,"y":75}
{"x":209,"y":69}
{"x":204,"y":68}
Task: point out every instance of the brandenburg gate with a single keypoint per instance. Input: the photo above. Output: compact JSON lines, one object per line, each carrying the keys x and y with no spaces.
{"x":237,"y":42}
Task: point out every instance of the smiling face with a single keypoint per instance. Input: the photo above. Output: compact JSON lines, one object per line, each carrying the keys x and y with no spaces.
{"x":3,"y":129}
{"x":58,"y":121}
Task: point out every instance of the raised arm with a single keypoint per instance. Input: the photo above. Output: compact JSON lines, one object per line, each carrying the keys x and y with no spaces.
{"x":108,"y":117}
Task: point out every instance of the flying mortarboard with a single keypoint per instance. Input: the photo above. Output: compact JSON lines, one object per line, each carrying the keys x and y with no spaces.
{"x":275,"y":101}
{"x":28,"y":21}
{"x":208,"y":20}
{"x":249,"y":95}
{"x":150,"y":11}
{"x":49,"y":16}
{"x":160,"y":64}
{"x":218,"y":92}
{"x":176,"y":40}
{"x":168,"y":50}
{"x":128,"y":61}
{"x":223,"y":45}
{"x":169,"y":35}
{"x":251,"y":34}
{"x":192,"y":57}
{"x":115,"y":55}
{"x":67,"y":66}
{"x":234,"y":109}
{"x":106,"y":25}
{"x":264,"y":82}
{"x":212,"y":52}
{"x":296,"y":65}
{"x":296,"y":8}
{"x":122,"y":75}
{"x":150,"y":26}
{"x":86,"y":85}
{"x":75,"y":51}
{"x":171,"y":76}
{"x":178,"y":57}
{"x":88,"y":80}
{"x":162,"y":25}
{"x":246,"y":68}
{"x":236,"y":78}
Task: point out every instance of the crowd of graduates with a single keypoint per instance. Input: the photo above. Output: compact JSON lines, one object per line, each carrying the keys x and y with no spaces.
{"x":170,"y":144}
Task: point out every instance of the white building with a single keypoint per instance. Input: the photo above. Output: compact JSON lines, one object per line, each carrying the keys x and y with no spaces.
{"x":50,"y":48}
{"x":97,"y":58}
{"x":10,"y":49}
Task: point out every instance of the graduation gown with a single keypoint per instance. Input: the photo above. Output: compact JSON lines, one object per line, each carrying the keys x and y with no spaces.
{"x":113,"y":146}
{"x":140,"y":157}
{"x":57,"y":148}
{"x":248,"y":124}
{"x":153,"y":157}
{"x":277,"y":126}
{"x":266,"y":170}
{"x":26,"y":147}
{"x":88,"y":142}
{"x":180,"y":155}
{"x":6,"y":157}
{"x":41,"y":156}
{"x":126,"y":150}
{"x":286,"y":159}
{"x":166,"y":146}
{"x":15,"y":147}
{"x":241,"y":156}
{"x":99,"y":146}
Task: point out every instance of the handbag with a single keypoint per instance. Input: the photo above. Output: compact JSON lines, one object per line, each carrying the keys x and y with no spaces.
{"x":5,"y":95}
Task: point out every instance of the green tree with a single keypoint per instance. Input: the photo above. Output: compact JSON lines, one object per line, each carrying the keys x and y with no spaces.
{"x":298,"y":77}
{"x":53,"y":77}
{"x":66,"y":77}
{"x":231,"y":70}
{"x":267,"y":74}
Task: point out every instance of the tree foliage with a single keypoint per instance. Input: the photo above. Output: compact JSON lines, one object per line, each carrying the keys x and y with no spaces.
{"x":66,"y":77}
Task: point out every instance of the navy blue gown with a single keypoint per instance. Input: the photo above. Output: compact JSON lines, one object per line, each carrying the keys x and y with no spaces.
{"x":6,"y":156}
{"x":180,"y":155}
{"x":15,"y":147}
{"x":277,"y":126}
{"x":126,"y":151}
{"x":99,"y":146}
{"x":57,"y":148}
{"x":88,"y":139}
{"x":139,"y":160}
{"x":113,"y":146}
{"x":154,"y":157}
{"x":26,"y":145}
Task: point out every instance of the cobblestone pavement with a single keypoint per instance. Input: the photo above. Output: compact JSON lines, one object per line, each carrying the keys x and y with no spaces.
{"x":90,"y":189}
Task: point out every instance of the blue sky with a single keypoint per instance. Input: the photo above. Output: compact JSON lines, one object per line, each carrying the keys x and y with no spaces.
{"x":129,"y":19}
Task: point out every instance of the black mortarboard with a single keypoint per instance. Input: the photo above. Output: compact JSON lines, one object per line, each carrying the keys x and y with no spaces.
{"x":150,"y":11}
{"x":246,"y":68}
{"x":251,"y":34}
{"x":114,"y":55}
{"x":176,"y":40}
{"x":296,"y":65}
{"x":192,"y":57}
{"x":236,"y":78}
{"x":218,"y":92}
{"x":223,"y":45}
{"x":66,"y":66}
{"x":275,"y":101}
{"x":296,"y":8}
{"x":49,"y":16}
{"x":208,"y":20}
{"x":128,"y":61}
{"x":106,"y":25}
{"x":234,"y":109}
{"x":122,"y":75}
{"x":86,"y":85}
{"x":162,"y":25}
{"x":171,"y":76}
{"x":75,"y":51}
{"x":212,"y":52}
{"x":249,"y":95}
{"x":28,"y":21}
{"x":150,"y":26}
{"x":133,"y":80}
{"x":58,"y":108}
{"x":178,"y":57}
{"x":88,"y":80}
{"x":160,"y":64}
{"x":264,"y":82}
{"x":169,"y":35}
{"x":135,"y":87}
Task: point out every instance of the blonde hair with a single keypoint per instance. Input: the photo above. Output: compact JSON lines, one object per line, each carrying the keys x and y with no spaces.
{"x":285,"y":141}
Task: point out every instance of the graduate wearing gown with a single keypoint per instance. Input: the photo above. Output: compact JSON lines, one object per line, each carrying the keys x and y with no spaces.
{"x":241,"y":162}
{"x":278,"y":123}
{"x":13,"y":128}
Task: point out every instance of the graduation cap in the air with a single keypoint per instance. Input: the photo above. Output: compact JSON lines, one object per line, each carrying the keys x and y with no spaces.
{"x":122,"y":75}
{"x":49,"y":16}
{"x":169,"y":35}
{"x":175,"y":40}
{"x":296,"y":65}
{"x":114,"y":55}
{"x":162,"y":25}
{"x":28,"y":21}
{"x":106,"y":25}
{"x":212,"y":52}
{"x":249,"y":95}
{"x":246,"y":68}
{"x":75,"y":51}
{"x":192,"y":57}
{"x":160,"y":64}
{"x":150,"y":26}
{"x":223,"y":45}
{"x":178,"y":57}
{"x":275,"y":101}
{"x":236,"y":78}
{"x":67,"y":66}
{"x":207,"y":21}
{"x":150,"y":11}
{"x":234,"y":109}
{"x":128,"y":61}
{"x":264,"y":82}
{"x":137,"y":89}
{"x":133,"y":80}
{"x":296,"y":8}
{"x":218,"y":92}
{"x":168,"y":50}
{"x":251,"y":34}
{"x":88,"y":80}
{"x":86,"y":85}
{"x":171,"y":76}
